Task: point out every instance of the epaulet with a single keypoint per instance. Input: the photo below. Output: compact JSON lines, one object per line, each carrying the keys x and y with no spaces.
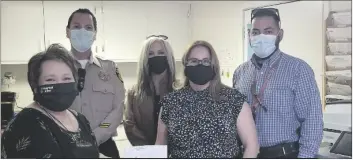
{"x":102,"y":58}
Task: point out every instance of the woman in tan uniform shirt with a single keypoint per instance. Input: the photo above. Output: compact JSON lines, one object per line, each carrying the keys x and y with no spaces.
{"x":156,"y":76}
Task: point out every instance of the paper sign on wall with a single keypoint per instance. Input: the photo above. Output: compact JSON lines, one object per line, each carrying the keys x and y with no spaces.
{"x":148,"y":151}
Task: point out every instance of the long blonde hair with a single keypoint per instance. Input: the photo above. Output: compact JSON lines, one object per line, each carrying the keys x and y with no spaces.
{"x":144,"y":85}
{"x":215,"y":83}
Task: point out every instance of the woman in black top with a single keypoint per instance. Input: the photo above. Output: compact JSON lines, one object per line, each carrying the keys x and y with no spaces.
{"x":47,"y":128}
{"x":205,"y":119}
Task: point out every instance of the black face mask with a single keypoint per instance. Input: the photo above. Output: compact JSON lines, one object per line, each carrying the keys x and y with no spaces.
{"x":158,"y":64}
{"x":199,"y":74}
{"x":56,"y":97}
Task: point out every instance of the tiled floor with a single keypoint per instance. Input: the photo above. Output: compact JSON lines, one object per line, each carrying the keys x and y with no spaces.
{"x":121,"y":140}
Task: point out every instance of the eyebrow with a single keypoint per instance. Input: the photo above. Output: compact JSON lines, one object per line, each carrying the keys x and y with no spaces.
{"x":79,"y":24}
{"x":268,"y":28}
{"x":53,"y":75}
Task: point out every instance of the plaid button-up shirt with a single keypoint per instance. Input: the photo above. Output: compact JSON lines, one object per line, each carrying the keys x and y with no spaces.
{"x":291,"y":100}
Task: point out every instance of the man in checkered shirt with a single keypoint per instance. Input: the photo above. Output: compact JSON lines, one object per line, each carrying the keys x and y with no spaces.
{"x":282,"y":92}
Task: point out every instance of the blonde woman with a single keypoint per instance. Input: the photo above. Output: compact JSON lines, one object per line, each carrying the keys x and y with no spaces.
{"x":205,"y":117}
{"x":156,"y":75}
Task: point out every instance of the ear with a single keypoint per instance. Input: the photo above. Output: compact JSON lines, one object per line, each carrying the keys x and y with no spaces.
{"x":95,"y":35}
{"x":68,"y":35}
{"x":249,"y":41}
{"x":281,"y":33}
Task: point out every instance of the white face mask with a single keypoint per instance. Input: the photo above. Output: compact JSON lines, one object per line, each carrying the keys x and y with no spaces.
{"x":81,"y":39}
{"x":263,"y":45}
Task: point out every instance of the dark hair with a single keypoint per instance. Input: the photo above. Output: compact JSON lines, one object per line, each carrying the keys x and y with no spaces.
{"x":54,"y":52}
{"x":262,"y":12}
{"x":86,"y":11}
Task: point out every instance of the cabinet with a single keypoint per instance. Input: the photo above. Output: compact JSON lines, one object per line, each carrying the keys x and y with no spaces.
{"x":127,"y":24}
{"x":124,"y":29}
{"x":170,"y":19}
{"x":56,"y":16}
{"x":22,"y":31}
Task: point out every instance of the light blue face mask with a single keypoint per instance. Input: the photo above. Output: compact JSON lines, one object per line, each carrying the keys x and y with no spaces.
{"x":81,"y":39}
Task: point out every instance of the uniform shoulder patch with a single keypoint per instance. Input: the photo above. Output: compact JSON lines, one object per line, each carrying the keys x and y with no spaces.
{"x":118,"y":73}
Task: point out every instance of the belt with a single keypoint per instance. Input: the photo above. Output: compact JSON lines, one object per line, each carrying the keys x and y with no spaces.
{"x":279,"y":150}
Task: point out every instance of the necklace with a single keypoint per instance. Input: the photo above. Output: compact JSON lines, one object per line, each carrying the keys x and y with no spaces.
{"x":54,"y":118}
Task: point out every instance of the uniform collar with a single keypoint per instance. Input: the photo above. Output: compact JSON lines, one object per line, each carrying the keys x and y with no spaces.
{"x":92,"y":60}
{"x":271,"y":60}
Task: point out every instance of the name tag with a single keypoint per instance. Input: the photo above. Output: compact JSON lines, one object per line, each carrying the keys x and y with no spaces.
{"x":104,"y":125}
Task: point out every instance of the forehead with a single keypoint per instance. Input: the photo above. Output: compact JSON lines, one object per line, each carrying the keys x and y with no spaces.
{"x":199,"y":52}
{"x":82,"y":18}
{"x":54,"y":67}
{"x":264,"y":22}
{"x":156,"y":45}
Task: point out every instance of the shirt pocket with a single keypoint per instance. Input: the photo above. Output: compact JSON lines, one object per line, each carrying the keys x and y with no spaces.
{"x":103,"y":96}
{"x":279,"y":99}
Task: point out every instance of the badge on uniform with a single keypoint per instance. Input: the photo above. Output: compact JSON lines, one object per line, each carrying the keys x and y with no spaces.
{"x":103,"y":75}
{"x":118,"y":74}
{"x":104,"y":125}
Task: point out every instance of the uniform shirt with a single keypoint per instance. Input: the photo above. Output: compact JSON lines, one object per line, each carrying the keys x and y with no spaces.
{"x":291,"y":100}
{"x":200,"y":127}
{"x":102,"y":98}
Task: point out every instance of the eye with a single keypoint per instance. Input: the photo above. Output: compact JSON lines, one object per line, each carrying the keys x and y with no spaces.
{"x":89,"y":28}
{"x":254,"y":33}
{"x":67,"y":78}
{"x":76,"y":27}
{"x":206,"y":62}
{"x":268,"y":32}
{"x":151,"y":53}
{"x":161,"y":53}
{"x":50,"y":80}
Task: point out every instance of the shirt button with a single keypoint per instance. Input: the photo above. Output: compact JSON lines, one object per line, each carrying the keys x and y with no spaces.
{"x":262,"y":72}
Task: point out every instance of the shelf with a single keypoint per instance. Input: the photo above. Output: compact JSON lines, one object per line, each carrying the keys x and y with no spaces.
{"x":338,"y":76}
{"x":14,"y":63}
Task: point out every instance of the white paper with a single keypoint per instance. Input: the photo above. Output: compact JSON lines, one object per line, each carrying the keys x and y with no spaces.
{"x":342,"y":18}
{"x":341,"y":62}
{"x":339,"y":34}
{"x":103,"y":156}
{"x":338,"y":89}
{"x":340,"y":48}
{"x":148,"y":151}
{"x":340,"y":77}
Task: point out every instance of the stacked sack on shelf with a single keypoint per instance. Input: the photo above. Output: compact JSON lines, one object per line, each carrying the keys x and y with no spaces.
{"x":339,"y":57}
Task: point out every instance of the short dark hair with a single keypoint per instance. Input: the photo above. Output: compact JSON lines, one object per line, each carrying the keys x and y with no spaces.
{"x":262,"y":12}
{"x":54,"y":52}
{"x":86,"y":11}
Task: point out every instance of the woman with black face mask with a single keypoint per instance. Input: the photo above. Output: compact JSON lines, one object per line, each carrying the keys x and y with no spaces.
{"x":47,"y":128}
{"x":204,"y":118}
{"x":156,"y":76}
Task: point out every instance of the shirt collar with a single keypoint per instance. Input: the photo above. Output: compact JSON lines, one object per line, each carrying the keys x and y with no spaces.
{"x":271,"y":60}
{"x":92,"y":60}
